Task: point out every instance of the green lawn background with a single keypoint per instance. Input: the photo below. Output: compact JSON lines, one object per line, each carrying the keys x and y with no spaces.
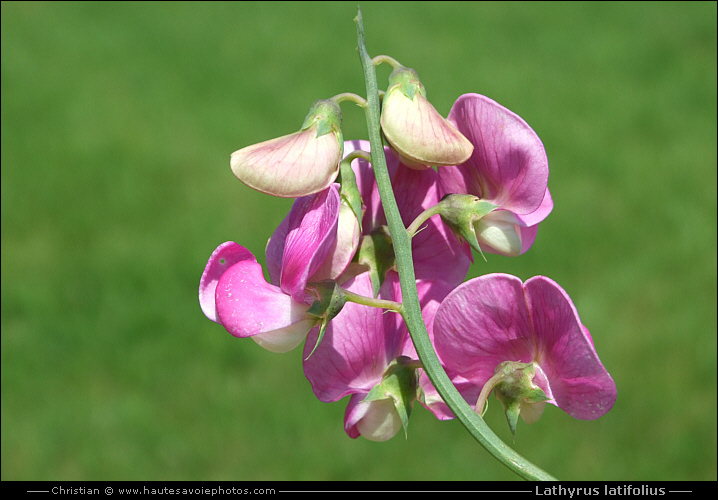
{"x":118,"y":120}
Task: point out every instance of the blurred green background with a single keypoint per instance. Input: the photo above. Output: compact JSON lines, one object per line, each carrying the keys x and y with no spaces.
{"x":118,"y":120}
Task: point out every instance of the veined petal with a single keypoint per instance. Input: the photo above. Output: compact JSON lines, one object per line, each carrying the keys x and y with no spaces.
{"x":419,"y":134}
{"x":374,"y":215}
{"x":580,"y":384}
{"x":224,"y":257}
{"x":247,"y":306}
{"x":496,"y":318}
{"x":344,"y":247}
{"x":482,"y":323}
{"x":432,"y":401}
{"x":357,"y":347}
{"x":311,"y":236}
{"x":508,"y":166}
{"x":436,"y":251}
{"x":290,"y":166}
{"x":431,"y":294}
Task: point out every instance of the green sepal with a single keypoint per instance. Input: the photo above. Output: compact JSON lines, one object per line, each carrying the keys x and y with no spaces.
{"x":399,"y":383}
{"x":460,"y":212}
{"x":376,"y":252}
{"x":515,"y":388}
{"x":406,"y":80}
{"x":330,"y":300}
{"x":328,"y":116}
{"x":349,"y":190}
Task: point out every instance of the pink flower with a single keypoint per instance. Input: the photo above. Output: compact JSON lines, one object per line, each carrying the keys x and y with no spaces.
{"x":360,"y":347}
{"x":436,"y":252}
{"x":508,"y":168}
{"x":234,"y":293}
{"x":496,"y":318}
{"x":316,"y":239}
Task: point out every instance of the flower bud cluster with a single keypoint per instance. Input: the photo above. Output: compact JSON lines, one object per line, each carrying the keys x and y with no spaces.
{"x":484,"y":171}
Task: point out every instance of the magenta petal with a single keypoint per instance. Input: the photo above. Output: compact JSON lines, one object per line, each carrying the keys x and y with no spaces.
{"x":496,"y":318}
{"x":275,"y":250}
{"x":312,"y":231}
{"x":354,"y":413}
{"x":539,"y":214}
{"x":247,"y":305}
{"x":432,"y":401}
{"x":580,"y":384}
{"x":508,"y":167}
{"x":357,"y":347}
{"x":436,"y":251}
{"x":482,"y":323}
{"x":374,"y":214}
{"x":224,"y":257}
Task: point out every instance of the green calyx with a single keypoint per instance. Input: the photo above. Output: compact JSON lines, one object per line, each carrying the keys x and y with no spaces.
{"x":328,"y":303}
{"x":349,"y":190}
{"x":376,"y":253}
{"x":327,"y":115}
{"x":514,"y":387}
{"x":460,"y":212}
{"x":399,"y":383}
{"x":406,"y":80}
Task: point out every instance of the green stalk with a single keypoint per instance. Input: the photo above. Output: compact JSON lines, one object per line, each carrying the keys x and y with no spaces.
{"x":411,"y":309}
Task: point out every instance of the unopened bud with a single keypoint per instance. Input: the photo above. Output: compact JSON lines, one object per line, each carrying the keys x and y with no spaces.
{"x":415,"y":130}
{"x":298,"y":164}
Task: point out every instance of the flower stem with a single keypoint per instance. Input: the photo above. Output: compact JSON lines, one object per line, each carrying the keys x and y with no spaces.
{"x":357,"y":153}
{"x":377,"y":60}
{"x":421,"y":218}
{"x":410,"y":298}
{"x":372,"y":302}
{"x":349,"y":96}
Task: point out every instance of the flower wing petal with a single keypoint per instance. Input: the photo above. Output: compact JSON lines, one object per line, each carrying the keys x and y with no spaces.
{"x":311,"y":235}
{"x":224,"y":256}
{"x":290,"y":166}
{"x":247,"y":305}
{"x":579,"y":383}
{"x":508,"y":166}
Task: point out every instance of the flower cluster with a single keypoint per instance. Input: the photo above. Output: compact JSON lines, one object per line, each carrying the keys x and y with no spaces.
{"x":477,"y":179}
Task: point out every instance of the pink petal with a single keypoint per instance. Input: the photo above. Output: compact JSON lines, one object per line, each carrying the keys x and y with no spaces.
{"x":436,"y":251}
{"x":508,"y":167}
{"x":482,"y":323}
{"x":431,"y":294}
{"x":345,"y":245}
{"x":294,"y":165}
{"x":312,"y":232}
{"x":432,"y":401}
{"x":374,"y":215}
{"x":247,"y":305}
{"x":357,"y":347}
{"x":224,"y":257}
{"x":580,"y":384}
{"x":496,"y":318}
